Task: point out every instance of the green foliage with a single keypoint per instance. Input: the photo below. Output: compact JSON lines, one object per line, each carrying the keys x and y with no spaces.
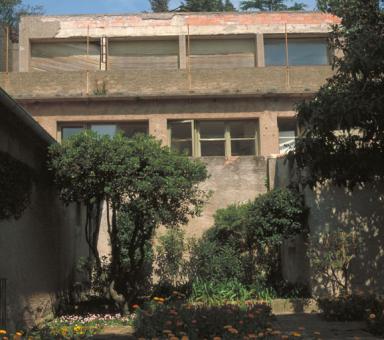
{"x":159,"y":6}
{"x":375,"y":317}
{"x":255,"y":230}
{"x":170,"y":258}
{"x":232,"y":290}
{"x":331,"y":255}
{"x":202,"y":322}
{"x":343,"y":125}
{"x":16,"y":180}
{"x":212,"y":262}
{"x":207,"y":6}
{"x":12,"y":10}
{"x":139,"y":179}
{"x":271,"y":5}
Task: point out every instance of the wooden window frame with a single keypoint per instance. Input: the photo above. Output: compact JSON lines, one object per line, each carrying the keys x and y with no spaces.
{"x":227,"y":139}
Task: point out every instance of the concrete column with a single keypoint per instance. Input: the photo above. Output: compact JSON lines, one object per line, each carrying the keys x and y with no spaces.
{"x":24,"y":47}
{"x":269,"y":134}
{"x":103,"y":53}
{"x":182,"y":52}
{"x":158,"y":128}
{"x":260,"y":54}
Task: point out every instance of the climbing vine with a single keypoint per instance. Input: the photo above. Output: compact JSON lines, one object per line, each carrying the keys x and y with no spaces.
{"x":16,"y":179}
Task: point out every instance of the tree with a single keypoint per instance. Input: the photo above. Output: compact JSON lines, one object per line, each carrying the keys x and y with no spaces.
{"x":12,"y":10}
{"x":343,"y":125}
{"x":207,"y":6}
{"x":271,"y":5}
{"x":144,"y":186}
{"x":159,"y":6}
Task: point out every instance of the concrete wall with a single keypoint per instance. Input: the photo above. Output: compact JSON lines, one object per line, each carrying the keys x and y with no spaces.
{"x":304,"y":80}
{"x":234,"y":180}
{"x":39,"y":251}
{"x":330,"y":207}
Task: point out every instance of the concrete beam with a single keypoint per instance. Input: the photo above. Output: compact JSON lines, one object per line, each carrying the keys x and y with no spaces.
{"x":182,"y":52}
{"x":260,"y":53}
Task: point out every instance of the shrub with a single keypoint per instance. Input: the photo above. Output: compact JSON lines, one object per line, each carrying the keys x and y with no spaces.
{"x":212,"y":262}
{"x":255,"y":231}
{"x":202,"y":322}
{"x":170,"y":259}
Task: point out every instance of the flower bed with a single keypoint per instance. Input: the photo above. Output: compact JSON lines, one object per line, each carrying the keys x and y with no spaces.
{"x":79,"y":327}
{"x":185,"y":321}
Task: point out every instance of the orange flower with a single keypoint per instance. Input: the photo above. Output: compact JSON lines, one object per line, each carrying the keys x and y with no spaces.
{"x":216,"y":338}
{"x":284,"y":337}
{"x":296,"y":334}
{"x":2,"y":331}
{"x":184,"y":337}
{"x":135,"y":306}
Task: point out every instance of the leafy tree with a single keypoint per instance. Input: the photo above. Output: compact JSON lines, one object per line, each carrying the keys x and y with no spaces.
{"x":343,"y":125}
{"x":159,"y":6}
{"x":271,"y":5}
{"x":143,"y":184}
{"x":207,"y":6}
{"x":12,"y":10}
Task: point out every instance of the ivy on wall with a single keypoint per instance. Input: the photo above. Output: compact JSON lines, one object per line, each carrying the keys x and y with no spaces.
{"x":16,"y":179}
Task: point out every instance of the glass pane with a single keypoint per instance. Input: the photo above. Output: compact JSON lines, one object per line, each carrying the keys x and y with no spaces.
{"x":308,"y":52}
{"x":182,"y":147}
{"x":300,"y":52}
{"x":213,"y":148}
{"x":274,"y":52}
{"x":212,"y":129}
{"x":67,"y":132}
{"x":181,"y":130}
{"x":286,"y":124}
{"x":243,"y":148}
{"x":131,"y":129}
{"x":105,"y":129}
{"x":242,"y":129}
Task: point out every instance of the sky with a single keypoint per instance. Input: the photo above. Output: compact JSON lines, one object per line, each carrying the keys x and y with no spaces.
{"x":107,"y":6}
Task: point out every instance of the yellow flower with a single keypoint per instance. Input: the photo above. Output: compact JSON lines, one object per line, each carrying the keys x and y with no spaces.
{"x":296,"y":334}
{"x":216,"y":338}
{"x":184,"y":337}
{"x":2,"y":331}
{"x":18,"y":333}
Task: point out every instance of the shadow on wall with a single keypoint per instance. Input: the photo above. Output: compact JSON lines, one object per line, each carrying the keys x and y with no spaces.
{"x":360,"y":211}
{"x":332,"y":208}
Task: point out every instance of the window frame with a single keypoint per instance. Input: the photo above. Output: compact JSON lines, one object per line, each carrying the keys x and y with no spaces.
{"x":297,"y":38}
{"x":88,"y":125}
{"x":227,"y":139}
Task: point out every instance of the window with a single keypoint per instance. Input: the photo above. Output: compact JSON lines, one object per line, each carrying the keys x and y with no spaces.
{"x":300,"y":52}
{"x":110,"y":129}
{"x":287,"y":134}
{"x":214,"y":137}
{"x":69,"y":131}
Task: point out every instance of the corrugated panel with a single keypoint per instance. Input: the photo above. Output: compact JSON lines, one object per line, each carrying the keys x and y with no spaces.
{"x":222,"y":53}
{"x":160,"y":54}
{"x":65,"y":56}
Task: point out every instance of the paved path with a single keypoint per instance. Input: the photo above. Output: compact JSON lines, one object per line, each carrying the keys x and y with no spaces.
{"x":311,"y":326}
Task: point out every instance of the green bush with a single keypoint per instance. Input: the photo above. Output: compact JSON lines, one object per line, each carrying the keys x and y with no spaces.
{"x":256,"y":230}
{"x":212,"y":262}
{"x":170,"y":259}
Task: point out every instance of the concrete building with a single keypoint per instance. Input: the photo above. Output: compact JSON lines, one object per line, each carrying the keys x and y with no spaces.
{"x":220,"y":86}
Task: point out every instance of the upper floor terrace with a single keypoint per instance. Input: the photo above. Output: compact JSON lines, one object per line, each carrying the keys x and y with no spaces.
{"x":170,"y":54}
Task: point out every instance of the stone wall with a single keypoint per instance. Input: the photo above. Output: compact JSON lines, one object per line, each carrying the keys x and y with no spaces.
{"x":39,"y":251}
{"x":333,"y":207}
